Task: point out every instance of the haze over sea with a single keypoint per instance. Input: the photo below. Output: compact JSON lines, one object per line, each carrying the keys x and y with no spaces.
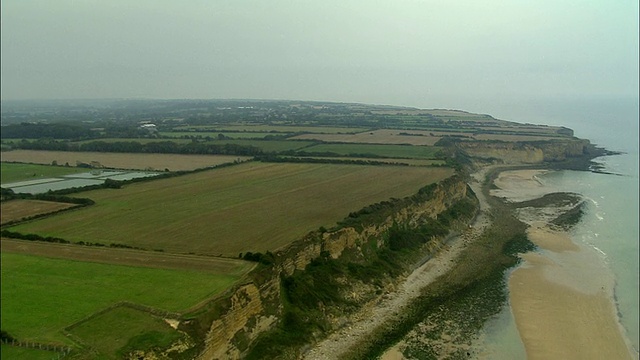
{"x":610,"y":225}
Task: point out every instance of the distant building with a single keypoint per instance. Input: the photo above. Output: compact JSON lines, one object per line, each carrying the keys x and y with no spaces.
{"x":150,"y":127}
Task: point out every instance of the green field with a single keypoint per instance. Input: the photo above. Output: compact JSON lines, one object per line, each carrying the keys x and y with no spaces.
{"x":13,"y":172}
{"x":116,"y":332}
{"x":138,"y":140}
{"x":249,"y":207}
{"x":214,"y":134}
{"x":264,"y":145}
{"x":269,"y":145}
{"x":393,"y":151}
{"x":41,"y":296}
{"x":410,"y":162}
{"x":9,"y":352}
{"x":277,"y":128}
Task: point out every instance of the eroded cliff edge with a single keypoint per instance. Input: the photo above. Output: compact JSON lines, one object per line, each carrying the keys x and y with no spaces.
{"x":359,"y":257}
{"x":303,"y":292}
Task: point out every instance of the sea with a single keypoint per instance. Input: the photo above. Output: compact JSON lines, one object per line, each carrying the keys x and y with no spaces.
{"x":610,"y":224}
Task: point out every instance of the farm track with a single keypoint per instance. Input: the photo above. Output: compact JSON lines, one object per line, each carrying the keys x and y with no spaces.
{"x":126,"y":257}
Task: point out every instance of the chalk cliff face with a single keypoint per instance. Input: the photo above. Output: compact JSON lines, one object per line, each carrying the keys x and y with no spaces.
{"x":527,"y":153}
{"x":559,"y":151}
{"x":229,"y":331}
{"x":256,"y":306}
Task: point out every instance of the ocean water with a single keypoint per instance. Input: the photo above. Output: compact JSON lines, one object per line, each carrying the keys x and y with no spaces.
{"x":610,"y":225}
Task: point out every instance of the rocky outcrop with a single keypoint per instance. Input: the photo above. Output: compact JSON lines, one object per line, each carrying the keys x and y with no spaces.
{"x":256,"y":307}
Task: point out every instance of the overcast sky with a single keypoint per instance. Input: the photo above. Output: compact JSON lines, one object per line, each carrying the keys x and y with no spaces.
{"x":431,"y":53}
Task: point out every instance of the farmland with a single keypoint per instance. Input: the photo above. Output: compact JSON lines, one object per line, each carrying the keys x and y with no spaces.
{"x":136,"y":330}
{"x":275,"y":128}
{"x":384,"y":136}
{"x":424,"y":137}
{"x":12,"y":172}
{"x":13,"y":352}
{"x":173,"y":162}
{"x":389,"y":151}
{"x":173,"y":243}
{"x":269,"y":146}
{"x":216,"y":134}
{"x":19,"y":209}
{"x":393,"y":161}
{"x":45,"y":292}
{"x":248,"y":207}
{"x":128,"y":257}
{"x":264,"y":145}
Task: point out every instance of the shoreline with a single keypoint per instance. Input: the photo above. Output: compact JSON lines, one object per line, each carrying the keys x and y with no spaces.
{"x":561,"y":296}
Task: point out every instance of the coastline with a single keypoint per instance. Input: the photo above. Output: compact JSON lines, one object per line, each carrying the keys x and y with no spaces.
{"x":562,"y":296}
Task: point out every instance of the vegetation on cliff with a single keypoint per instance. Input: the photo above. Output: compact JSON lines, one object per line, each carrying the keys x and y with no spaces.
{"x":458,"y":303}
{"x":312,"y":297}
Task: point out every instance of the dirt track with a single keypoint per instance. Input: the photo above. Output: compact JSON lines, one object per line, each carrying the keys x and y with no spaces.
{"x":126,"y":257}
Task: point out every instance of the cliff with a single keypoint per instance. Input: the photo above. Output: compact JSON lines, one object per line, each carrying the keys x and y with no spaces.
{"x":257,"y":307}
{"x":528,"y":152}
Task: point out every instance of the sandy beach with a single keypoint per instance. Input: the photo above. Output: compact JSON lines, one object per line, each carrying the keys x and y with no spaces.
{"x":562,"y":295}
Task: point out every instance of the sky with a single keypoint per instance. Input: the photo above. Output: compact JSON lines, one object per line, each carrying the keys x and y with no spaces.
{"x":430,"y":53}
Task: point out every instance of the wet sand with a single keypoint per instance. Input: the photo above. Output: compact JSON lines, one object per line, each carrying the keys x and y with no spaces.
{"x":562,"y":295}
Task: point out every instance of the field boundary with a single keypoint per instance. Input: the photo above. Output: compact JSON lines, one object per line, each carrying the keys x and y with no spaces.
{"x":67,"y":331}
{"x":123,"y":161}
{"x":144,"y":308}
{"x":42,"y":215}
{"x":62,"y":350}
